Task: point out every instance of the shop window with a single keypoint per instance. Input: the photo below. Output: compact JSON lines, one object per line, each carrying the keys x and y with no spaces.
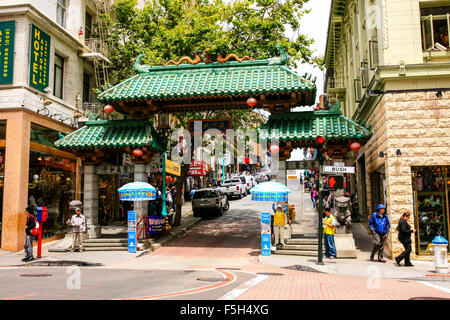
{"x":431,"y":195}
{"x":61,"y":6}
{"x":2,"y":180}
{"x":52,"y":185}
{"x":59,"y":77}
{"x":2,"y":129}
{"x":378,"y":185}
{"x":435,"y":28}
{"x":43,"y":135}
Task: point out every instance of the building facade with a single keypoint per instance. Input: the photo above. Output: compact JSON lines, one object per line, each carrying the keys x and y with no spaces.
{"x":388,"y":65}
{"x":50,"y":64}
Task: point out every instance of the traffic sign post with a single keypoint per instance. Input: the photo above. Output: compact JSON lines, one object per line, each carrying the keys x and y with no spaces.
{"x":338,"y":169}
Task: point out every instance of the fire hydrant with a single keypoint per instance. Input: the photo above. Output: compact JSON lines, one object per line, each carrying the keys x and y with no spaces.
{"x":440,"y":254}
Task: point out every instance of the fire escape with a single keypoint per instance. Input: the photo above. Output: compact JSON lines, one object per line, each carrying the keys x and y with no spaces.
{"x":98,"y":54}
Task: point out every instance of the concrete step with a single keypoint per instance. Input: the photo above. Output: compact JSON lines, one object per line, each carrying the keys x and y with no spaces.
{"x":105,"y":244}
{"x":106,"y":240}
{"x":299,"y":241}
{"x":297,"y":253}
{"x":302,"y":247}
{"x":105,"y":248}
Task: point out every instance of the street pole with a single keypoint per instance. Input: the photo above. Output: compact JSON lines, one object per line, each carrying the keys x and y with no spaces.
{"x":320,"y":221}
{"x":163,"y":191}
{"x":223,"y":170}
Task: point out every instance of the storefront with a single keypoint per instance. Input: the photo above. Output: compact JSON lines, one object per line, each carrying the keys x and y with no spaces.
{"x":431,"y":187}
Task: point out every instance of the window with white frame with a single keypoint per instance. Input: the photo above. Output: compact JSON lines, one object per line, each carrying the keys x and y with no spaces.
{"x":61,"y":6}
{"x":435,"y":28}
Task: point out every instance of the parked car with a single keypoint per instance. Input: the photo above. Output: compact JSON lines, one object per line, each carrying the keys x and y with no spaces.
{"x":208,"y":200}
{"x":246,"y":180}
{"x":233,"y":188}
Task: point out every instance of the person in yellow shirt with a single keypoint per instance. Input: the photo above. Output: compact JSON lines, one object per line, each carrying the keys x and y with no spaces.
{"x":279,"y":221}
{"x":329,"y":228}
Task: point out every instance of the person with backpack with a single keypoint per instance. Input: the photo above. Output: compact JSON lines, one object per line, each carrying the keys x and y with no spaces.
{"x":404,"y":236}
{"x":379,"y":225}
{"x":30,"y":232}
{"x":78,"y":223}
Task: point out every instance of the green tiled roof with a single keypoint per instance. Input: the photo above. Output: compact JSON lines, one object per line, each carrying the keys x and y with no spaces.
{"x":112,"y":134}
{"x":210,"y":80}
{"x":307,"y":126}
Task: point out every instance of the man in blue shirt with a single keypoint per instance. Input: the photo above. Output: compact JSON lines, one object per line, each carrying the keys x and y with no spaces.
{"x":379,"y":224}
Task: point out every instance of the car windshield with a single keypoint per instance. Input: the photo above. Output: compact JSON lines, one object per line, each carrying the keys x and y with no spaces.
{"x":205,"y":194}
{"x":242,"y":179}
{"x":231,"y":181}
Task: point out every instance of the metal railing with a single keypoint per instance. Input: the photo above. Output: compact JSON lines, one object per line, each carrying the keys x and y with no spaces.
{"x":97,"y":45}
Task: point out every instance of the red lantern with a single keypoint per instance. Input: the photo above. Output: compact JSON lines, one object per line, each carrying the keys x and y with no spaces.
{"x":138,"y":152}
{"x":251,"y":102}
{"x":274,"y":149}
{"x":355,"y":146}
{"x":108,"y":108}
{"x":171,"y":179}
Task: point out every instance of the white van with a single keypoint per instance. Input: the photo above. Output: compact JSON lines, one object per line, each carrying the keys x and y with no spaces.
{"x":247,"y":182}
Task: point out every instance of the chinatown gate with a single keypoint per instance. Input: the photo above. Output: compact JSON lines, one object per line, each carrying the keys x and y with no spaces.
{"x":201,"y":86}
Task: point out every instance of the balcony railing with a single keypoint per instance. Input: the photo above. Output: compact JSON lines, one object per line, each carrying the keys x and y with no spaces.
{"x":97,"y":45}
{"x":94,"y":109}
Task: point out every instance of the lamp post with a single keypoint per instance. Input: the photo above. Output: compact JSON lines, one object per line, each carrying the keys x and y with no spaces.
{"x":321,"y":158}
{"x":163,"y":191}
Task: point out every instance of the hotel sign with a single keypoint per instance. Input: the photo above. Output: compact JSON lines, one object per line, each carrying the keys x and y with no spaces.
{"x":7,"y":32}
{"x":39,"y":59}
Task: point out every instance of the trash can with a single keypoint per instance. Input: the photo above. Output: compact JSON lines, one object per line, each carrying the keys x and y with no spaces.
{"x":440,"y":254}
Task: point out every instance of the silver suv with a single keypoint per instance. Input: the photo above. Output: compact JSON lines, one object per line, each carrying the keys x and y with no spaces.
{"x":208,"y":200}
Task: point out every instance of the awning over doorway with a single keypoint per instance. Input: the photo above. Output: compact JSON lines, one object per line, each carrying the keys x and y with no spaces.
{"x":112,"y":134}
{"x":305,"y":127}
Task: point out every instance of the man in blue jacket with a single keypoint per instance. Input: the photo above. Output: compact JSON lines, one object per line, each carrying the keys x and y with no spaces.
{"x":379,"y":224}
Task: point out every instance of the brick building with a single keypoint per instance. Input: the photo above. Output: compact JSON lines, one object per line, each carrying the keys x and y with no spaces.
{"x":388,"y":65}
{"x":49,"y":65}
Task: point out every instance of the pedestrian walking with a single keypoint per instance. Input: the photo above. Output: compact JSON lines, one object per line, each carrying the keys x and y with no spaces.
{"x":326,"y":203}
{"x":30,"y":225}
{"x":314,"y":196}
{"x":329,"y":228}
{"x":379,"y":224}
{"x":279,"y":222}
{"x":404,"y":236}
{"x":78,"y":223}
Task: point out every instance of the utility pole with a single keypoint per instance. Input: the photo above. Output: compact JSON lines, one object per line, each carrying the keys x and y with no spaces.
{"x":321,"y":158}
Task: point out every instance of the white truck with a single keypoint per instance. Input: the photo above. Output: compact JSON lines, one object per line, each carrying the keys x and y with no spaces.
{"x":233,"y":188}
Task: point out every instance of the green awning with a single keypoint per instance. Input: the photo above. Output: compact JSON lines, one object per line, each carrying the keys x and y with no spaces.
{"x":112,"y":134}
{"x":212,"y":80}
{"x":307,"y":126}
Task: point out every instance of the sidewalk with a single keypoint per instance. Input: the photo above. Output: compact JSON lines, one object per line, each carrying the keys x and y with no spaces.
{"x":103,"y":258}
{"x":306,"y":224}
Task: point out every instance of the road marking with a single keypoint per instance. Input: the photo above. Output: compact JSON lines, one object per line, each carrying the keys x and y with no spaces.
{"x":235,"y":293}
{"x":229,"y":278}
{"x":435,"y":286}
{"x":189,"y":214}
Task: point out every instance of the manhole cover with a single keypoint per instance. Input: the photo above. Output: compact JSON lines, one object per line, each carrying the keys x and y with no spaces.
{"x":427,"y":298}
{"x":213,"y":279}
{"x":303,"y":268}
{"x":36,"y":275}
{"x":269,"y":274}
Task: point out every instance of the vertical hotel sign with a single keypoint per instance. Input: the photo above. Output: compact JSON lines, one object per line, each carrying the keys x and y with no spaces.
{"x":7,"y":32}
{"x":39,"y":58}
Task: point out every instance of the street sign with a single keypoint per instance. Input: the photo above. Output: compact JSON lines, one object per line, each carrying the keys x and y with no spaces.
{"x":7,"y":35}
{"x":265,"y":234}
{"x":132,"y":242}
{"x":335,"y":169}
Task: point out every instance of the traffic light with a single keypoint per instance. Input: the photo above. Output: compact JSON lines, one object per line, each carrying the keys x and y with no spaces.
{"x":320,"y":148}
{"x":336,"y":182}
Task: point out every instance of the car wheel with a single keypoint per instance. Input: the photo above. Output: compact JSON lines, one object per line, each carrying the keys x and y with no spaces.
{"x":220,"y":212}
{"x":227,"y":206}
{"x":240,"y":195}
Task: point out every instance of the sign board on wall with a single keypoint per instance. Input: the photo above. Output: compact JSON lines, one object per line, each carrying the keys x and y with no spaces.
{"x":173,"y":168}
{"x":219,"y":124}
{"x":39,"y":59}
{"x":7,"y":33}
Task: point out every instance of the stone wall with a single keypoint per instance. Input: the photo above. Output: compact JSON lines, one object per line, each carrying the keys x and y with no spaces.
{"x":418,"y":124}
